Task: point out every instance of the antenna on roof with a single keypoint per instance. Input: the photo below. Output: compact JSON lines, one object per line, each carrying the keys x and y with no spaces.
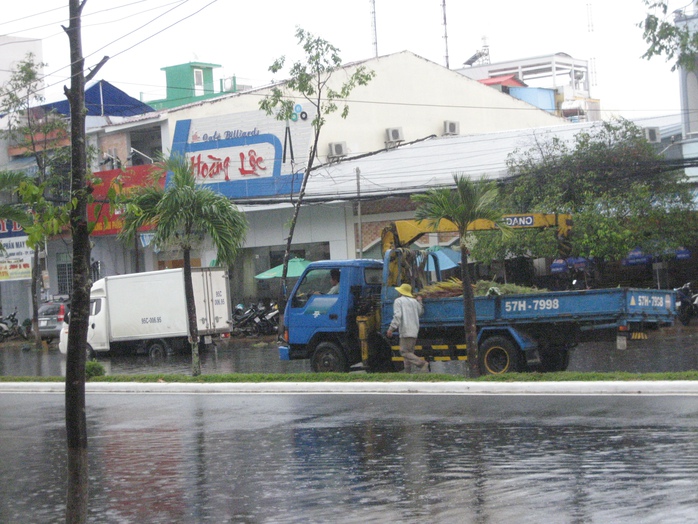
{"x":481,"y":56}
{"x":443,"y":6}
{"x":373,"y":27}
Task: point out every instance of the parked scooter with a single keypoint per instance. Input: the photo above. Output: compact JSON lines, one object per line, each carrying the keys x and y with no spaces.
{"x":254,"y":320}
{"x":268,"y":318}
{"x":687,"y":303}
{"x":272,"y":317}
{"x":245,"y":321}
{"x":11,"y":328}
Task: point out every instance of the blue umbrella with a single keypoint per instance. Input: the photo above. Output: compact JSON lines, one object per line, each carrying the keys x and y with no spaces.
{"x":636,"y":257}
{"x":559,"y":265}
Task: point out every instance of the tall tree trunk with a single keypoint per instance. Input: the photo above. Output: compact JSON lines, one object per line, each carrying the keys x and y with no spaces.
{"x":191,"y":316}
{"x":76,"y":425}
{"x":75,"y":420}
{"x":35,"y":298}
{"x":469,"y":320}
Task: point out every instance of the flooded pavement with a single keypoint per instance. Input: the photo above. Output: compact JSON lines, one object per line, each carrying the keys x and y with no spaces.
{"x":669,"y":349}
{"x":357,"y":458}
{"x":245,"y":355}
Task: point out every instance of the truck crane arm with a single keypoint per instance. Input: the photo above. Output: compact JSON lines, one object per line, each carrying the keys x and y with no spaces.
{"x":403,"y":233}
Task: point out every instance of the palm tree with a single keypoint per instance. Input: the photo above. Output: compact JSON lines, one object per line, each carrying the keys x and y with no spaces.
{"x":470,"y":201}
{"x":183,"y":213}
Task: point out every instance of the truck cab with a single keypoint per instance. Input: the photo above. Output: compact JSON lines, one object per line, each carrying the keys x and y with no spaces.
{"x":323,"y":323}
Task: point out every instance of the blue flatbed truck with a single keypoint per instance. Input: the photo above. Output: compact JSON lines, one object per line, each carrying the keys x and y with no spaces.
{"x":527,"y":332}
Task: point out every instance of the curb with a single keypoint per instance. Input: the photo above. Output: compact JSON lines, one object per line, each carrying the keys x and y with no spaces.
{"x":664,"y":388}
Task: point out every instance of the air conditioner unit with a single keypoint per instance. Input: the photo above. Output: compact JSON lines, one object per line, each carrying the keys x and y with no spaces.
{"x":338,"y":149}
{"x":451,"y":127}
{"x":394,"y":134}
{"x":652,"y":135}
{"x":228,"y":85}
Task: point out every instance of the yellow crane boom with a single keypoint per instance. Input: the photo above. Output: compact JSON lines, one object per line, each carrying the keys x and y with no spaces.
{"x":403,"y":233}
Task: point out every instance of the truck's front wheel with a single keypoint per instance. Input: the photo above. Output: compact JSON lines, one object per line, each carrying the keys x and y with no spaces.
{"x":328,"y":357}
{"x":498,"y":355}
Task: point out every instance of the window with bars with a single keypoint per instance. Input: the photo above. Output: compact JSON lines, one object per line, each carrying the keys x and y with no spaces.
{"x":64,"y":270}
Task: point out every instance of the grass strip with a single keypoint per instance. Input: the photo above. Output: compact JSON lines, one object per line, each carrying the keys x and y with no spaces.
{"x":565,"y":376}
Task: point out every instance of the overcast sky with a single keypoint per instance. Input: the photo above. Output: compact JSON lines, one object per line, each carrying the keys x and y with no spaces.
{"x":245,"y":37}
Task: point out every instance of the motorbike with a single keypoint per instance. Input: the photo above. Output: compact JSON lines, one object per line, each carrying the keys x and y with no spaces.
{"x":11,"y":328}
{"x":687,"y":302}
{"x":268,"y":318}
{"x":254,"y":320}
{"x":245,"y":321}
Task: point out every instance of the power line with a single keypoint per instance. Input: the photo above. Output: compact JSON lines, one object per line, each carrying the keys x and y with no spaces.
{"x":131,"y":32}
{"x":179,"y":3}
{"x":64,"y":21}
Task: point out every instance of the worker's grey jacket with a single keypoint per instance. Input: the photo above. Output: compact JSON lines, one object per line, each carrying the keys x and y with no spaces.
{"x":406,"y":313}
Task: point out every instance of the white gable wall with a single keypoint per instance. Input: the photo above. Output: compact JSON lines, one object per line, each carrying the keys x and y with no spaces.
{"x":418,"y":96}
{"x":408,"y":92}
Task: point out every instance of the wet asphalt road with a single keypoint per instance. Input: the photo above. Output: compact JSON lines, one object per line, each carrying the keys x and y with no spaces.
{"x":179,"y":457}
{"x":408,"y":458}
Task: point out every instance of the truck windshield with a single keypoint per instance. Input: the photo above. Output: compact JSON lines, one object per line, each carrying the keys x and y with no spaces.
{"x":322,"y":281}
{"x":373,"y":276}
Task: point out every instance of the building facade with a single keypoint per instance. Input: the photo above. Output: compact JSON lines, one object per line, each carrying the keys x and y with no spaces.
{"x":258,"y":162}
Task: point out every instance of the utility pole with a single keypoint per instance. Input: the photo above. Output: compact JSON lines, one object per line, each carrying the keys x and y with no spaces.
{"x":358,"y":210}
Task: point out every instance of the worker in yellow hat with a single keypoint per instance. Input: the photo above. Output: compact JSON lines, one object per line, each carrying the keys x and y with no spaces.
{"x":406,"y":312}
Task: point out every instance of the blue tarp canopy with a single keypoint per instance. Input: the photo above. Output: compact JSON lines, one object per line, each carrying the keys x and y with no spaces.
{"x":103,"y":99}
{"x":446,"y":257}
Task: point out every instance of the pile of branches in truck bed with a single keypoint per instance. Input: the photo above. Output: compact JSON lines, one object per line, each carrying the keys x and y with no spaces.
{"x":454,"y":288}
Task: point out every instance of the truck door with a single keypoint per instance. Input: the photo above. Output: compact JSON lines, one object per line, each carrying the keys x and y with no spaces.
{"x":319,"y":304}
{"x":97,"y":330}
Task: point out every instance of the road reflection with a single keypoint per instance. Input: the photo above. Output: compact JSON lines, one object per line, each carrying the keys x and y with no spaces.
{"x":357,"y":458}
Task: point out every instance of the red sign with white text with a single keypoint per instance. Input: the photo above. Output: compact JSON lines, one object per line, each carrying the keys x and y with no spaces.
{"x":108,"y":221}
{"x":232,"y":163}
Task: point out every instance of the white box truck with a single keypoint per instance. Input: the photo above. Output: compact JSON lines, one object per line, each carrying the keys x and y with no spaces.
{"x":147,"y":312}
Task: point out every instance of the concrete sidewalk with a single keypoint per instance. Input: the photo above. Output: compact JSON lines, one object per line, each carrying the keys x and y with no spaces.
{"x":663,"y":388}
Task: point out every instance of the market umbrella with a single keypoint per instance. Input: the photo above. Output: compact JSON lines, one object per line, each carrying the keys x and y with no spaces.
{"x":636,"y":257}
{"x":559,"y":265}
{"x":296,"y":266}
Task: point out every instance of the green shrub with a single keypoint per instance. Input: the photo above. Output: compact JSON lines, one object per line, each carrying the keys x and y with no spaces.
{"x":94,"y":369}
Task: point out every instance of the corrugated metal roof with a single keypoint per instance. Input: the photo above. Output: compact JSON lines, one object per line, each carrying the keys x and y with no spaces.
{"x":102,"y":98}
{"x":429,"y":163}
{"x":433,"y":161}
{"x":504,"y":80}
